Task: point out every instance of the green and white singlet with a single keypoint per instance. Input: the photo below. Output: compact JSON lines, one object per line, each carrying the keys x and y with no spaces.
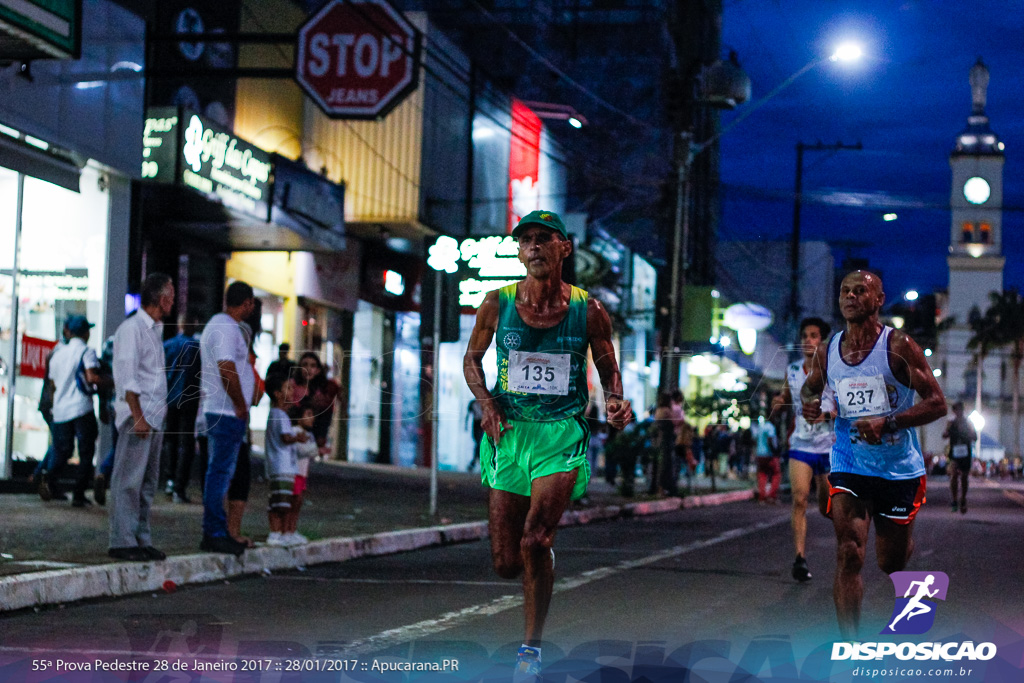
{"x":542,"y":373}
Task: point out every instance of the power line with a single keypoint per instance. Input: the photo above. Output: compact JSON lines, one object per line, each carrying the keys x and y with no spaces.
{"x":561,"y":74}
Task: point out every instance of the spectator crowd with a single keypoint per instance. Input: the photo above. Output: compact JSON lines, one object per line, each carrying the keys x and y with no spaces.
{"x":178,"y":407}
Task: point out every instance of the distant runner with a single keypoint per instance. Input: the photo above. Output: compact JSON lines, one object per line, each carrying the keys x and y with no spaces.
{"x":534,"y":455}
{"x":961,"y":435}
{"x":877,"y":466}
{"x":810,"y":443}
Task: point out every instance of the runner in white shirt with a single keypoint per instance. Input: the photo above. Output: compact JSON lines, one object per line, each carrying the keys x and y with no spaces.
{"x":809,"y":442}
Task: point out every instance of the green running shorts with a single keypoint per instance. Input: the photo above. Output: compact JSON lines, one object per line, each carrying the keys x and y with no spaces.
{"x":530,"y":450}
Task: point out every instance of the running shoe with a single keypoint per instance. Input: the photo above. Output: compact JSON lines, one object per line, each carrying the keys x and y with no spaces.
{"x":953,"y":507}
{"x":800,"y":571}
{"x":963,"y":508}
{"x":527,"y":665}
{"x":294,"y":538}
{"x":276,"y":538}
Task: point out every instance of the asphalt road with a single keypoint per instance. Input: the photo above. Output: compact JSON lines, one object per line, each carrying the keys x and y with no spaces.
{"x":706,"y":589}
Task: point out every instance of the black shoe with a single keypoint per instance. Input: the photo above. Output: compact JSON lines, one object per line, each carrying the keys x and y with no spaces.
{"x":45,"y":492}
{"x":132,"y":554}
{"x":222,"y":544}
{"x":154,"y":554}
{"x":99,"y":489}
{"x":82,"y":502}
{"x":800,"y":571}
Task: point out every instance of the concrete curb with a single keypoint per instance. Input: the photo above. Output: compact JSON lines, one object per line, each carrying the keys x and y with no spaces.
{"x":126,"y":578}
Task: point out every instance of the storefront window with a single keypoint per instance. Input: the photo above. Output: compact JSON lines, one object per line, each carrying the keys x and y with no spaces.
{"x":456,"y":445}
{"x":62,"y":271}
{"x":265,"y":347}
{"x":364,"y":406}
{"x":406,"y":395}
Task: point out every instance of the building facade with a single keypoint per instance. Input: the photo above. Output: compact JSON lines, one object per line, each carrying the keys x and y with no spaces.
{"x":70,"y":144}
{"x":976,"y":263}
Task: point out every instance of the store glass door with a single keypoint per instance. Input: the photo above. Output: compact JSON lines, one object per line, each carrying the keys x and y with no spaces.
{"x":8,"y":217}
{"x":61,"y":271}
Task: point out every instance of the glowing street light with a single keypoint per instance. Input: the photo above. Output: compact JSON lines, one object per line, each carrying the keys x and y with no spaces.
{"x":912,"y":295}
{"x":979,"y":423}
{"x":847,"y":52}
{"x":690,"y":149}
{"x":889,"y":217}
{"x":575,"y":122}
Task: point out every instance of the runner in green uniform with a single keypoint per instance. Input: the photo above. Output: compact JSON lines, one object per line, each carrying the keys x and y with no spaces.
{"x":534,"y":454}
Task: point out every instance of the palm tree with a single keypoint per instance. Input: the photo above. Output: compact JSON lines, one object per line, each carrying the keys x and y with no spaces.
{"x":982,"y":342}
{"x":1007,"y":315}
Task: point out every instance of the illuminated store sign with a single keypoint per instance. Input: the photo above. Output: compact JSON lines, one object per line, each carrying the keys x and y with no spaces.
{"x":183,"y":147}
{"x":486,"y":264}
{"x":41,"y":29}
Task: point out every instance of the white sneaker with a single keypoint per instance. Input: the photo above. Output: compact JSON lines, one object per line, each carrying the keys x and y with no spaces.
{"x":295,"y":538}
{"x":277,"y":538}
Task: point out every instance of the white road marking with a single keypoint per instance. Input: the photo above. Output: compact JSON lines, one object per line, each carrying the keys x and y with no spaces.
{"x":427,"y":582}
{"x":427,"y":627}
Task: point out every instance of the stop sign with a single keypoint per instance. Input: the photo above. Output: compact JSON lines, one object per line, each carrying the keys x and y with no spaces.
{"x":357,"y":58}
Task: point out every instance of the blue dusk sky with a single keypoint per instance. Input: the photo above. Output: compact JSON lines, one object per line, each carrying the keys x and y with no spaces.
{"x":905,"y":100}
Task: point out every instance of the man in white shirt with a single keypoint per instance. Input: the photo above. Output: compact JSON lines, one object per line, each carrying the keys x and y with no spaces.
{"x":73,"y":372}
{"x":140,"y":406}
{"x":228,"y":384}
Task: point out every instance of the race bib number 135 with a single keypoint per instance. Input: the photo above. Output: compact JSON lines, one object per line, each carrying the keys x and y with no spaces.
{"x":538,"y":373}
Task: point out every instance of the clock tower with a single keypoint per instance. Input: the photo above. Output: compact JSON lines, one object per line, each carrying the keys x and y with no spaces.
{"x":975,"y":251}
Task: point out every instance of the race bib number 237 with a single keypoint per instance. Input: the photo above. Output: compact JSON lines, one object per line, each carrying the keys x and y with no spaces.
{"x":862,"y":397}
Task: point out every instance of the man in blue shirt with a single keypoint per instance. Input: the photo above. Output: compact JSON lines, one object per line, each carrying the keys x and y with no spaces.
{"x":181,"y":354}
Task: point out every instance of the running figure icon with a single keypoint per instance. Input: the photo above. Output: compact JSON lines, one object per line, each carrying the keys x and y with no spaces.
{"x":915,"y":606}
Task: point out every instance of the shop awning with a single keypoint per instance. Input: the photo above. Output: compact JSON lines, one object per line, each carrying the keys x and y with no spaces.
{"x":203,"y":179}
{"x":169,"y":207}
{"x":51,"y":164}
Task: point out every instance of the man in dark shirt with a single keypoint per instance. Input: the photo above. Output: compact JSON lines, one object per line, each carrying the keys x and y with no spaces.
{"x":181,"y":354}
{"x":961,"y":435}
{"x":283,"y":365}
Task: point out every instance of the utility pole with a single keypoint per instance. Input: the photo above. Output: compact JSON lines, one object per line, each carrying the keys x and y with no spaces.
{"x":793,"y":314}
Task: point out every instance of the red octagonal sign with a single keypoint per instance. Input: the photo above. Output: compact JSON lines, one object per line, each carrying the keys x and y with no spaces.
{"x":357,"y":59}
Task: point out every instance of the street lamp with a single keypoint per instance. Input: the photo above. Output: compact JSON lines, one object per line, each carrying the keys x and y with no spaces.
{"x":978,"y":420}
{"x":847,"y":52}
{"x":911,"y":295}
{"x":561,"y":112}
{"x":440,"y":261}
{"x":687,"y":150}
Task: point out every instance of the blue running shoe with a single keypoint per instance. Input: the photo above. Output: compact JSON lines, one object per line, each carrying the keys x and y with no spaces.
{"x":527,"y":665}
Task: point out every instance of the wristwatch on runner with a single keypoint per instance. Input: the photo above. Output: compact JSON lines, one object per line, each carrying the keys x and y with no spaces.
{"x":890,"y":423}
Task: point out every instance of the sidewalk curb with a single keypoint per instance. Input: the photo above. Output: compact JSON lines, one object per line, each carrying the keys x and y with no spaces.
{"x":35,"y":589}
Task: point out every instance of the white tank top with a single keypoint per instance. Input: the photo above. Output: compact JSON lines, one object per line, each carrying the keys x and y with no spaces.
{"x":807,"y":437}
{"x":869,"y":389}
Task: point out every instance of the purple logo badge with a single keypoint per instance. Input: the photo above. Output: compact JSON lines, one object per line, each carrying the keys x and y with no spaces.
{"x":916,"y":593}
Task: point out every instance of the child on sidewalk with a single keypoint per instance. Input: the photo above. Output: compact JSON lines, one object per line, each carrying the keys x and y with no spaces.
{"x":305,"y":451}
{"x":282,"y":465}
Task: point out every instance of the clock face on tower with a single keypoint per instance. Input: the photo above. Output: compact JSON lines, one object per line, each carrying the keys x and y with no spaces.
{"x":977,"y":190}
